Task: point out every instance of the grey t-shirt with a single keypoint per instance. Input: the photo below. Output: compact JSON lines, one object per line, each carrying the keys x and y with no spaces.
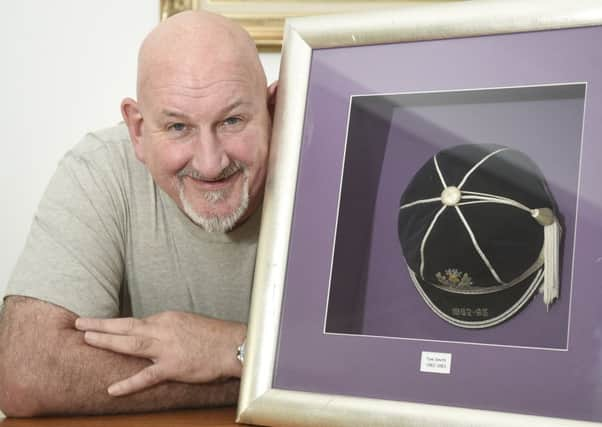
{"x":106,"y":239}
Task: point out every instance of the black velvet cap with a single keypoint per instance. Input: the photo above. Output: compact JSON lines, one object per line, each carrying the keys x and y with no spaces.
{"x":471,"y":228}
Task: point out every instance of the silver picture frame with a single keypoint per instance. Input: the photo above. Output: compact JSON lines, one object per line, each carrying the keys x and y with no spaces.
{"x":260,"y":401}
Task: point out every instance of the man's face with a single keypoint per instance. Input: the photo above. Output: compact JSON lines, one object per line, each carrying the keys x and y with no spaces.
{"x":205,"y":142}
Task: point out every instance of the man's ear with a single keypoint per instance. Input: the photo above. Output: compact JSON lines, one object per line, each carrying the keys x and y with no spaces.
{"x":272,"y":92}
{"x":133,"y":119}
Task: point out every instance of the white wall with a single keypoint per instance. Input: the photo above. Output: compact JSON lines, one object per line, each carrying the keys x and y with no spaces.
{"x":271,"y":65}
{"x":66,"y":65}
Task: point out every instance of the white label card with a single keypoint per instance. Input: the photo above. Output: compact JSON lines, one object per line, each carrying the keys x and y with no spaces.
{"x":436,"y":363}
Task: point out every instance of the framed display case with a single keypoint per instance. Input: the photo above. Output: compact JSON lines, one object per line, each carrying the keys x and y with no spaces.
{"x":432,"y":168}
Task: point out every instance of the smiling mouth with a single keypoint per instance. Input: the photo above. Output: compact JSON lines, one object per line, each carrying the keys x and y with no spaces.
{"x":221,"y":177}
{"x":215,"y":184}
{"x":220,"y":182}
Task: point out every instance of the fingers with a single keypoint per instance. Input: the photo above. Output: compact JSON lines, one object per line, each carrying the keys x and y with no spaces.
{"x":121,"y":326}
{"x":132,"y":345}
{"x":146,"y":378}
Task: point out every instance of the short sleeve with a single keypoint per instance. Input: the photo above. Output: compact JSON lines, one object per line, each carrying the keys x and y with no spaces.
{"x":74,"y":253}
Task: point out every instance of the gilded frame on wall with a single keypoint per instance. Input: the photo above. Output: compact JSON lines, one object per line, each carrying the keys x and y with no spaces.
{"x":287,"y":341}
{"x":264,"y":19}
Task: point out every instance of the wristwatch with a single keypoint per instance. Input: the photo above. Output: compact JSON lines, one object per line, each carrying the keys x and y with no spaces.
{"x":240,"y":352}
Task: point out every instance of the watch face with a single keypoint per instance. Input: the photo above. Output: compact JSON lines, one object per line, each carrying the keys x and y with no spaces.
{"x":472,"y":227}
{"x":240,"y":352}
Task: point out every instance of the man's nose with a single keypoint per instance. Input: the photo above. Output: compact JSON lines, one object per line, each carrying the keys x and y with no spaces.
{"x":209,"y":156}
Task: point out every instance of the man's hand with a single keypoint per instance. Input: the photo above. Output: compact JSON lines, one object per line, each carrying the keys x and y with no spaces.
{"x":183,"y":347}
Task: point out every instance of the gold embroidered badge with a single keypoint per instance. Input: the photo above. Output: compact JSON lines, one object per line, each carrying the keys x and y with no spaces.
{"x":454,"y":278}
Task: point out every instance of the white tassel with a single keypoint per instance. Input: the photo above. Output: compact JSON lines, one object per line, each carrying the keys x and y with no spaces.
{"x":551,"y":254}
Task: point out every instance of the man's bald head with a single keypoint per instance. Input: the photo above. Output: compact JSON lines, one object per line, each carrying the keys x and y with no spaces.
{"x":198,"y":44}
{"x":202,"y":122}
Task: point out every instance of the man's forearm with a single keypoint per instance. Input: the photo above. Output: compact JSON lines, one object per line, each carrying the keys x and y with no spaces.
{"x":80,"y":375}
{"x":53,"y":371}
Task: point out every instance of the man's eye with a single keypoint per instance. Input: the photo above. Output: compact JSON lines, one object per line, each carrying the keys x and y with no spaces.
{"x":177,"y":127}
{"x":231,"y":121}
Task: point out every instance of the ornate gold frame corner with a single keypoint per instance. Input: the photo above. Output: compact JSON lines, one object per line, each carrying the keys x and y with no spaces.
{"x":264,"y":19}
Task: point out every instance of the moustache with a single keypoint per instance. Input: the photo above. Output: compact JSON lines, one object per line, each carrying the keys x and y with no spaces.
{"x":225,"y":173}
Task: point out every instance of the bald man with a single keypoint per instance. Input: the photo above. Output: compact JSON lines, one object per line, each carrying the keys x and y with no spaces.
{"x":132,"y":292}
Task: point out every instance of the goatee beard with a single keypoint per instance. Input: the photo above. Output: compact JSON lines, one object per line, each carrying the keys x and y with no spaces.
{"x":216,"y":223}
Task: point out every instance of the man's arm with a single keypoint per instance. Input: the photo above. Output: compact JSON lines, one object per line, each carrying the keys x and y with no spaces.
{"x":46,"y":367}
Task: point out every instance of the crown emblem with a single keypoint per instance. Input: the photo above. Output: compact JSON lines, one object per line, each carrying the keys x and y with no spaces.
{"x":454,"y":278}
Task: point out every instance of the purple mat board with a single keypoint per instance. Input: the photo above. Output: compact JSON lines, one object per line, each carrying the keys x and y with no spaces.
{"x":543,"y":122}
{"x":563,"y":380}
